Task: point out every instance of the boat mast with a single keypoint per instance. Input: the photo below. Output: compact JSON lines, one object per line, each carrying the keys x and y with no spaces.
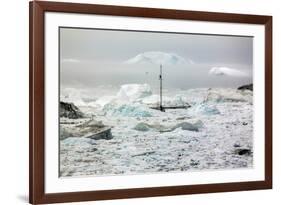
{"x":164,"y":108}
{"x":160,"y":78}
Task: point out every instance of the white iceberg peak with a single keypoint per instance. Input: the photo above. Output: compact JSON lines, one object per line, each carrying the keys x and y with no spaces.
{"x":158,"y":57}
{"x":219,"y":71}
{"x":133,"y":92}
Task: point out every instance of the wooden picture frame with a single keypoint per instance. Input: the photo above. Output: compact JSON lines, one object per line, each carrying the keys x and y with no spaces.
{"x":37,"y":194}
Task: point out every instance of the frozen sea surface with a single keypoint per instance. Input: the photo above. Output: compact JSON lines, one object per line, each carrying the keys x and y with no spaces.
{"x":214,"y":133}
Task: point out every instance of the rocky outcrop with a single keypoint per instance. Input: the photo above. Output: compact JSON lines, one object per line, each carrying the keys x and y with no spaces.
{"x":95,"y":130}
{"x":246,"y":87}
{"x":90,"y":129}
{"x":243,"y":151}
{"x":104,"y":133}
{"x":69,"y":110}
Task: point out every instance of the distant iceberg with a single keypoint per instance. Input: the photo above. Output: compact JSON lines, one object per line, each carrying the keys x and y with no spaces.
{"x":220,"y":71}
{"x":133,"y":92}
{"x":157,"y":57}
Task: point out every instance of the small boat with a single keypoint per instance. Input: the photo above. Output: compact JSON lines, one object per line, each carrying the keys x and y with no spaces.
{"x":161,"y":107}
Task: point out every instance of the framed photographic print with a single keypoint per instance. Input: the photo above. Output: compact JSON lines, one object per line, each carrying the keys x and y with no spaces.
{"x":138,"y":102}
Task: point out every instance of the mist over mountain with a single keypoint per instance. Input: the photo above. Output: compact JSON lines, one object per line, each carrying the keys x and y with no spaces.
{"x":93,"y":58}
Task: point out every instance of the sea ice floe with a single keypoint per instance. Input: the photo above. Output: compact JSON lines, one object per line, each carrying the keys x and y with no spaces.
{"x":204,"y":109}
{"x":127,"y":110}
{"x":191,"y":126}
{"x":228,"y":95}
{"x":78,"y":142}
{"x":142,"y":127}
{"x":203,"y":137}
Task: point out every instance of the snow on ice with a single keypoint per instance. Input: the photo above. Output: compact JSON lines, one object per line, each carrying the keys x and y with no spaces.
{"x":214,"y":133}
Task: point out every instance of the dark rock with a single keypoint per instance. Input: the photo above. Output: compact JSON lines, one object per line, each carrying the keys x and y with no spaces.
{"x":93,"y":149}
{"x":69,"y":110}
{"x":182,"y":118}
{"x":91,"y":129}
{"x":194,"y":162}
{"x":246,"y":87}
{"x":244,"y":123}
{"x":144,"y":154}
{"x":243,"y":151}
{"x":102,"y":134}
{"x":95,"y":130}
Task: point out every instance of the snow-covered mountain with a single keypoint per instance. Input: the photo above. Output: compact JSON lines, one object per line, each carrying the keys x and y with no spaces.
{"x":227,"y":71}
{"x":158,"y":57}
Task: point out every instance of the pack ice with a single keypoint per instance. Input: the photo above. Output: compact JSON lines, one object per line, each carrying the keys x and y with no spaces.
{"x":214,"y":133}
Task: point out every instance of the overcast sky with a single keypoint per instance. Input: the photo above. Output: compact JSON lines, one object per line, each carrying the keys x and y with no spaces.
{"x":91,"y":58}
